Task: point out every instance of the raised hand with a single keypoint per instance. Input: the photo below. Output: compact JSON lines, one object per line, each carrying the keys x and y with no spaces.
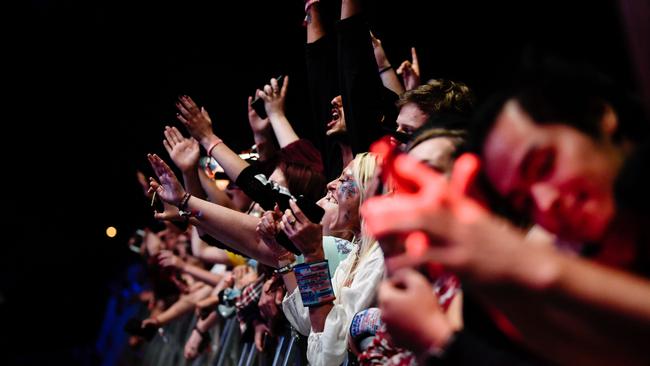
{"x":169,"y":213}
{"x":183,"y":151}
{"x":169,"y":188}
{"x":243,"y":276}
{"x":410,"y":71}
{"x":195,"y":119}
{"x":380,"y":55}
{"x":274,"y":97}
{"x":410,"y":310}
{"x":257,"y":123}
{"x":268,"y":228}
{"x":468,"y":239}
{"x":306,"y":235}
{"x":168,"y":259}
{"x":386,"y":73}
{"x":270,"y":301}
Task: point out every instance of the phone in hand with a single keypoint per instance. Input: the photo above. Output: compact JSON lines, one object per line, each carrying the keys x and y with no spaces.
{"x":313,"y":212}
{"x":258,"y":103}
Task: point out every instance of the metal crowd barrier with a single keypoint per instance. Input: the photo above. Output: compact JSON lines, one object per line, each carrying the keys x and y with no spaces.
{"x":226,"y":349}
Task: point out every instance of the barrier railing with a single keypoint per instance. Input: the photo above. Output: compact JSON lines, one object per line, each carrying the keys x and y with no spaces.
{"x":226,"y":348}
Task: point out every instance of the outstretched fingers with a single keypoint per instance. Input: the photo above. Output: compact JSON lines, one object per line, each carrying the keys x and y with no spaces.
{"x":285,"y":85}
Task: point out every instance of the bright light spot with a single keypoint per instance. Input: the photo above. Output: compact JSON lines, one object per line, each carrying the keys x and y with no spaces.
{"x":111,"y":232}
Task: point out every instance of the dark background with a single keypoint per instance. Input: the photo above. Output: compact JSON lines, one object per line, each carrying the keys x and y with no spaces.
{"x":92,"y":84}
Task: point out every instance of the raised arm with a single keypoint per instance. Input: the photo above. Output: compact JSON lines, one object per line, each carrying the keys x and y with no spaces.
{"x":184,"y":153}
{"x":198,"y":123}
{"x":168,"y":259}
{"x":274,"y":96}
{"x":410,"y":71}
{"x":385,"y":69}
{"x":365,"y":100}
{"x":206,"y":253}
{"x":232,"y":228}
{"x":262,"y":133}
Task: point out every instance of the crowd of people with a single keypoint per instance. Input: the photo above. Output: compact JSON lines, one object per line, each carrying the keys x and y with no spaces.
{"x":416,"y":225}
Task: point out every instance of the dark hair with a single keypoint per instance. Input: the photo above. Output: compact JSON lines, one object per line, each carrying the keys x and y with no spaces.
{"x":302,"y":180}
{"x":302,"y":169}
{"x":439,"y":96}
{"x":427,"y":132}
{"x":557,"y":92}
{"x":553,"y":92}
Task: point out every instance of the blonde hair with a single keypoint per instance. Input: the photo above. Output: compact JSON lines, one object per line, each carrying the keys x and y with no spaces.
{"x":364,"y":167}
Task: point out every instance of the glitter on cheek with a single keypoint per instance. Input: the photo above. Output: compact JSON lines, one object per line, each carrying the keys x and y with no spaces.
{"x":348,"y":189}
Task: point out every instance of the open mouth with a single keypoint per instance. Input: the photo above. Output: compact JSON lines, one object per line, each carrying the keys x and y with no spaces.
{"x":335,"y":115}
{"x":330,"y":198}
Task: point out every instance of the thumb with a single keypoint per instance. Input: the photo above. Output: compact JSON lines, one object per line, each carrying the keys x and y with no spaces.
{"x":205,"y":114}
{"x":402,"y":66}
{"x":277,"y":213}
{"x":278,"y":297}
{"x":159,"y":216}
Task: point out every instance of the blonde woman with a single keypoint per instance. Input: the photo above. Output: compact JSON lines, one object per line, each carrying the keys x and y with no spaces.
{"x":355,"y":281}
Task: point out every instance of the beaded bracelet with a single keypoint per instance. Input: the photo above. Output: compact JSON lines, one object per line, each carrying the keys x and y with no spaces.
{"x":183,"y":204}
{"x":314,"y":283}
{"x":284,"y":269}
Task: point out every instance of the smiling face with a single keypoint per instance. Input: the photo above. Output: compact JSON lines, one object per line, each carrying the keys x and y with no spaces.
{"x":336,"y":125}
{"x":558,"y":175}
{"x":341,"y":204}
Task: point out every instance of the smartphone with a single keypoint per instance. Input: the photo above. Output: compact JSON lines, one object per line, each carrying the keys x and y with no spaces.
{"x":258,"y":103}
{"x":313,"y":212}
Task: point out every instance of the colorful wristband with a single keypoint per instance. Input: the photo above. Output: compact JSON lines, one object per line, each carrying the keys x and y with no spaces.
{"x":314,"y":283}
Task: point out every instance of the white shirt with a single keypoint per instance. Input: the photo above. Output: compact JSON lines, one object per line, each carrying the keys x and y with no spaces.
{"x":329,"y":347}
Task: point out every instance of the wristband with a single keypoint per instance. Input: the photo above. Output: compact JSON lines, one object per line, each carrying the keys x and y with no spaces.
{"x":183,"y":204}
{"x":186,"y":214}
{"x":385,"y":69}
{"x":284,"y":269}
{"x":314,"y":283}
{"x":213,"y":146}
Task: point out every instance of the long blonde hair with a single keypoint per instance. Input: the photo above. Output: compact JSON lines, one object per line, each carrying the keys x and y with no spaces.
{"x":364,"y":167}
